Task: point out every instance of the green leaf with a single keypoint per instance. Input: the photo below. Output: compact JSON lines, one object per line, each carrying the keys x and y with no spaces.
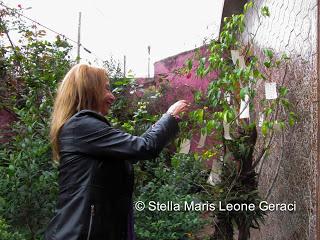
{"x":189,"y":64}
{"x":197,"y":115}
{"x":211,"y":124}
{"x":268,"y":111}
{"x":256,"y":74}
{"x":206,"y":71}
{"x":247,"y":6}
{"x":11,"y":167}
{"x":268,"y":53}
{"x":264,"y":129}
{"x":267,"y":64}
{"x":203,"y":131}
{"x":283,"y":91}
{"x":292,"y":119}
{"x":282,"y":124}
{"x":265,"y":11}
{"x":197,"y":96}
{"x":225,"y":116}
{"x":285,"y":103}
{"x":243,"y":92}
{"x":284,"y":57}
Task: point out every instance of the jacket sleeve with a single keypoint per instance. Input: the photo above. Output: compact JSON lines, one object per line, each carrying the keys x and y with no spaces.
{"x":95,"y":137}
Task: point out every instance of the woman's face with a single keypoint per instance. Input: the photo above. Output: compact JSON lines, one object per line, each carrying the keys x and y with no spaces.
{"x":108,"y":99}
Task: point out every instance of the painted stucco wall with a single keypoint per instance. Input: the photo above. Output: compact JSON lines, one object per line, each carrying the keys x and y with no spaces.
{"x":182,"y":86}
{"x":6,"y":119}
{"x":289,"y":173}
{"x":186,"y":83}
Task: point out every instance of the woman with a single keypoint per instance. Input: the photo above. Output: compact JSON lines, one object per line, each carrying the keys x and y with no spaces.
{"x":95,"y":159}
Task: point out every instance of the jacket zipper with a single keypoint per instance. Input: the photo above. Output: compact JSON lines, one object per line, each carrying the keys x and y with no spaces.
{"x":90,"y":223}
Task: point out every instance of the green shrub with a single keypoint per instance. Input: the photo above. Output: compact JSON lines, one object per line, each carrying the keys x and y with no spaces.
{"x":6,"y":234}
{"x":28,"y":178}
{"x":189,"y":174}
{"x":176,"y":184}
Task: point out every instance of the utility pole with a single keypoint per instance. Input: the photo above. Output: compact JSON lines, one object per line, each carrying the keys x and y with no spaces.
{"x":124,"y":65}
{"x":149,"y":61}
{"x":79,"y":44}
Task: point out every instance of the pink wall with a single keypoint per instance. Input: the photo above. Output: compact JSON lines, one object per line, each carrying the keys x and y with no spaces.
{"x":183,"y":86}
{"x":6,"y":119}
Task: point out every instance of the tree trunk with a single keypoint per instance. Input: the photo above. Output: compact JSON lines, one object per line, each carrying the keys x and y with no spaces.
{"x":223,"y":229}
{"x":244,"y":232}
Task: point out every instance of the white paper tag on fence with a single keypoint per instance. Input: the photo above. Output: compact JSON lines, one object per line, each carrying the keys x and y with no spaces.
{"x":261,"y":119}
{"x":271,"y":90}
{"x":185,"y":146}
{"x":235,"y":55}
{"x":214,"y":176}
{"x":244,"y":108}
{"x":202,"y":140}
{"x":227,"y":97}
{"x":226,"y":130}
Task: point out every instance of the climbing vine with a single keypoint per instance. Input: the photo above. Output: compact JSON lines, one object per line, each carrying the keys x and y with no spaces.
{"x":236,"y":113}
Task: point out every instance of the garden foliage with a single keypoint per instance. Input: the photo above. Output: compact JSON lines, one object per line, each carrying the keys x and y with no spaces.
{"x":237,"y":114}
{"x":31,"y":69}
{"x":181,"y":181}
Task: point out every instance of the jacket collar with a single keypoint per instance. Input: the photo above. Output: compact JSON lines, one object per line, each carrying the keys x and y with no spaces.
{"x":93,"y":113}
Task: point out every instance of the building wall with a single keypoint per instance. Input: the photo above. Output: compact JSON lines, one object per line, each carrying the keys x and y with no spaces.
{"x":6,"y":119}
{"x":289,"y":173}
{"x":182,"y":86}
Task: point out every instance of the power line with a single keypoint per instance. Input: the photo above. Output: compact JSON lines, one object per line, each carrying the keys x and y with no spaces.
{"x":51,"y":30}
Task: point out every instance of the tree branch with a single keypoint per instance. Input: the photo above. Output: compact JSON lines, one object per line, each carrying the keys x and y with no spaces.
{"x":275,"y":117}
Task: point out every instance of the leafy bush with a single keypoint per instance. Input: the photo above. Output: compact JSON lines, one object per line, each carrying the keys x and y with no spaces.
{"x":28,"y":183}
{"x":165,"y":224}
{"x":169,"y":184}
{"x":189,"y":174}
{"x":6,"y":234}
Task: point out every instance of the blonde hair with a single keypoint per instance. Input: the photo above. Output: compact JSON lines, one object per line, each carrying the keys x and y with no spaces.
{"x":81,"y":88}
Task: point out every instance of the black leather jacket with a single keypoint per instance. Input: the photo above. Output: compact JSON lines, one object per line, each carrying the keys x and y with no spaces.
{"x":96,"y":175}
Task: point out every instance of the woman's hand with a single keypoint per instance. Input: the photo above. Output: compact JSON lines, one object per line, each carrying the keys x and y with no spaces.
{"x":178,"y":107}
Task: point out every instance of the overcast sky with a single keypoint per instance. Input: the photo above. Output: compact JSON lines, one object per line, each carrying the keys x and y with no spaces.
{"x":126,"y":27}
